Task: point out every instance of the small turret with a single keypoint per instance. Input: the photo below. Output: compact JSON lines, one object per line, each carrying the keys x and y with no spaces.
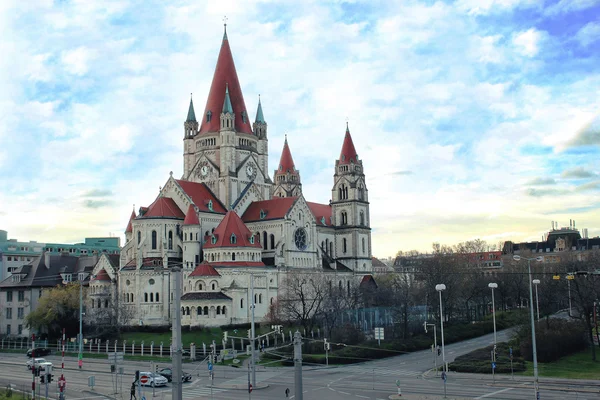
{"x":286,"y":176}
{"x":260,"y":126}
{"x":190,"y":125}
{"x":227,"y":115}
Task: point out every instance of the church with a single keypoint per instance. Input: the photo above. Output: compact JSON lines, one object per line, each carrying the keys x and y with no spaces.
{"x":227,"y":222}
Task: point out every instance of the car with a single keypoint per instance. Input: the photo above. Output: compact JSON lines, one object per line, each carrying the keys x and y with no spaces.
{"x":38,"y":363}
{"x":39,"y":351}
{"x":153,"y":379}
{"x":168,"y":373}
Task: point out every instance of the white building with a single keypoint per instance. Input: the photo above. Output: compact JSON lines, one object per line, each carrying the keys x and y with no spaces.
{"x":226,"y":220}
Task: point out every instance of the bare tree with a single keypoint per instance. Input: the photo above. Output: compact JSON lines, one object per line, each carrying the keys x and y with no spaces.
{"x":302,"y":298}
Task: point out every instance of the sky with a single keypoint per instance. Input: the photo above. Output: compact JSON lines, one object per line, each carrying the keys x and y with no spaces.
{"x":473,"y":118}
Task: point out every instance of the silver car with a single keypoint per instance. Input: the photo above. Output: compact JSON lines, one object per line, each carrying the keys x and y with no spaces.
{"x":152,"y":379}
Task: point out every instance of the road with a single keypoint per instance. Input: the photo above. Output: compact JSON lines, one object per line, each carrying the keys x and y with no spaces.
{"x":370,"y":380}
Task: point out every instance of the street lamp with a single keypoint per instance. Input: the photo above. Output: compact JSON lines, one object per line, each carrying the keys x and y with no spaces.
{"x":441,"y":287}
{"x":494,"y":286}
{"x":82,"y":276}
{"x":534,"y":346}
{"x":536,"y":282}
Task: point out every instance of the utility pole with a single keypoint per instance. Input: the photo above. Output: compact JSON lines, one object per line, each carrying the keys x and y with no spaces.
{"x":177,"y":392}
{"x":298,"y":366}
{"x":33,"y":366}
{"x":253,"y":338}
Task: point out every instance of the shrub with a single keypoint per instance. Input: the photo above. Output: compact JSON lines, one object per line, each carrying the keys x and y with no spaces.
{"x":554,"y":339}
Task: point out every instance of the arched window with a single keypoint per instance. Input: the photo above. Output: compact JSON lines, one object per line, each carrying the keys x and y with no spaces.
{"x":344,"y":245}
{"x":156,"y":297}
{"x":340,"y":285}
{"x":218,"y":310}
{"x":260,"y":299}
{"x":331,"y":249}
{"x":323,"y":246}
{"x":213,"y":286}
{"x":255,"y":298}
{"x":146,"y":297}
{"x":233,"y":239}
{"x":153,"y":240}
{"x":182,"y":311}
{"x":241,"y":303}
{"x":252,"y":239}
{"x":224,"y":311}
{"x":151,"y":297}
{"x":199,"y":311}
{"x":170,"y":240}
{"x":363,"y":245}
{"x":232,"y":256}
{"x":139,"y":237}
{"x":265,"y":240}
{"x":362,"y":218}
{"x":206,"y":310}
{"x":348,"y":287}
{"x":272,"y":241}
{"x":99,"y":303}
{"x":271,"y":301}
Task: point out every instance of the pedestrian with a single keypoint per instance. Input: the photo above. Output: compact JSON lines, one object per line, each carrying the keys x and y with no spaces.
{"x":132,"y":397}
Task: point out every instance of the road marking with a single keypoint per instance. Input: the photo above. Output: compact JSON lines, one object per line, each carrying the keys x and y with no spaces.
{"x":493,"y":393}
{"x":347,"y":394}
{"x":364,"y":397}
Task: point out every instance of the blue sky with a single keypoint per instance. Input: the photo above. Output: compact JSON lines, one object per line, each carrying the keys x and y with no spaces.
{"x":474,"y":118}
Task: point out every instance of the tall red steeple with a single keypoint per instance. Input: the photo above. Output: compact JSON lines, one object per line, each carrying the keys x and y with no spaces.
{"x":225,"y":78}
{"x":348,"y":153}
{"x":286,"y":163}
{"x":286,"y":176}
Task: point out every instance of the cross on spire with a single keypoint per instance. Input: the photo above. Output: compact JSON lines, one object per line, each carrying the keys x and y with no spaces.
{"x":225,"y":27}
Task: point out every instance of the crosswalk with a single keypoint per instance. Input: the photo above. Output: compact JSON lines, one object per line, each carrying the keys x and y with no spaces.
{"x":352,"y":369}
{"x":201,"y":392}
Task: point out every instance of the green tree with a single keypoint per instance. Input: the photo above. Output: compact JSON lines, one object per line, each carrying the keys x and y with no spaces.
{"x":58,"y":308}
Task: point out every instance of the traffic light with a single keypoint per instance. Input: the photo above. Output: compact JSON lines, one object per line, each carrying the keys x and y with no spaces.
{"x":42,"y":379}
{"x":50,"y":378}
{"x":225,"y":336}
{"x":137,"y":376}
{"x":439,"y":351}
{"x":156,"y":368}
{"x":249,"y":333}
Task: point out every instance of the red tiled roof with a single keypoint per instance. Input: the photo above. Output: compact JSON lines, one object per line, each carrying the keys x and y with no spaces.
{"x":368,"y":280}
{"x":205,"y":269}
{"x":320,"y":211}
{"x":191,"y":218}
{"x":348,"y":153}
{"x":102,"y":275}
{"x":231,"y":225}
{"x":146,"y":262}
{"x":275,"y":208}
{"x":225,"y":75}
{"x":164,"y":207}
{"x":129,"y":225}
{"x":201,"y":195}
{"x":238,"y":264}
{"x":286,"y":163}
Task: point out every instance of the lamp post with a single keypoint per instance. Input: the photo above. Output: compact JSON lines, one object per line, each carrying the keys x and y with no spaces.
{"x":534,"y":346}
{"x":494,"y":286}
{"x":441,"y":287}
{"x":536,"y":282}
{"x":81,"y":276}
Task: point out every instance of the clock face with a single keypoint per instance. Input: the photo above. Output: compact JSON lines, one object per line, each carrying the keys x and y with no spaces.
{"x":249,"y":170}
{"x":204,"y":170}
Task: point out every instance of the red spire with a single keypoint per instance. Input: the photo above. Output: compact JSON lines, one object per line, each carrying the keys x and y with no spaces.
{"x":225,"y":75}
{"x":348,"y":153}
{"x":191,"y":218}
{"x":231,"y":226}
{"x":286,"y":163}
{"x":129,"y":225}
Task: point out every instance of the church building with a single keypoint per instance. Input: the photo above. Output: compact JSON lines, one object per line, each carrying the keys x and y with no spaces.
{"x":229,"y":225}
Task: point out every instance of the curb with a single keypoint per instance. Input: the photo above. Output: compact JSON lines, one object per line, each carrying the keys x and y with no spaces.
{"x":241,"y":386}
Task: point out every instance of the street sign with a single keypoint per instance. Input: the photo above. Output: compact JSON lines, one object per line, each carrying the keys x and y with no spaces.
{"x":210,"y":366}
{"x":249,"y":388}
{"x":493,"y":365}
{"x":116,"y":358}
{"x":379,"y":333}
{"x":444,"y":376}
{"x":398,"y":382}
{"x":144,"y":379}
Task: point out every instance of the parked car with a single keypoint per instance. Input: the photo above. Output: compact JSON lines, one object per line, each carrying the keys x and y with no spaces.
{"x":39,"y":351}
{"x":38,"y":363}
{"x":168,"y":373}
{"x":153,"y":379}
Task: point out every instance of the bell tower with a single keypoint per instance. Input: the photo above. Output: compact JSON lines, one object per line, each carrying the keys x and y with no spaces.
{"x":286,"y":176}
{"x":350,"y":209}
{"x":190,"y":129}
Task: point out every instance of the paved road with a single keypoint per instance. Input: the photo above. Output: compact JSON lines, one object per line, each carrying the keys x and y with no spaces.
{"x":370,"y":380}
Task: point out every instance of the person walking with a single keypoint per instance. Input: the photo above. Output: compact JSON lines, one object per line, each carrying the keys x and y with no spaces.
{"x":132,"y":397}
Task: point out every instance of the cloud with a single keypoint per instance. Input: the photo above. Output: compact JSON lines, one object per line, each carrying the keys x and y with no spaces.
{"x":588,"y":135}
{"x":527,"y":43}
{"x":589,"y":186}
{"x":588,"y":34}
{"x":98,"y":193}
{"x":567,"y":6}
{"x":546,"y":192}
{"x":77,"y":61}
{"x":484,"y":7}
{"x":541,"y":182}
{"x":400,"y":173}
{"x":97,"y":203}
{"x":577,"y":173}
